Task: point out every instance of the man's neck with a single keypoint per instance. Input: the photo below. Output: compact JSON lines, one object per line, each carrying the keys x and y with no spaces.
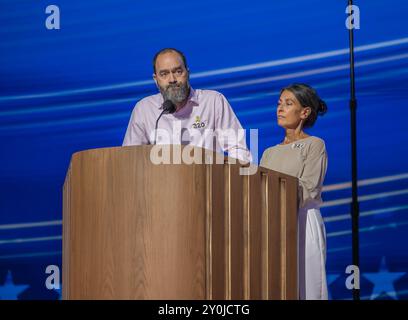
{"x":181,"y":105}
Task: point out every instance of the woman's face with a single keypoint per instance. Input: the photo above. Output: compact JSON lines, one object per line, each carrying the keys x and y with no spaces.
{"x":289,"y":112}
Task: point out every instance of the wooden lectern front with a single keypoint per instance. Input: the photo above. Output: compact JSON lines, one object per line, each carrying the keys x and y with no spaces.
{"x":133,"y":229}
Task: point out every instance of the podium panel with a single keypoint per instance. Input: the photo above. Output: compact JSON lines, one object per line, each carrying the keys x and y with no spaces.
{"x":133,"y":229}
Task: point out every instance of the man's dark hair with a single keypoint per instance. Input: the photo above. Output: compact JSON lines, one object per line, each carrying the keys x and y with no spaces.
{"x":183,"y":57}
{"x":308,"y":97}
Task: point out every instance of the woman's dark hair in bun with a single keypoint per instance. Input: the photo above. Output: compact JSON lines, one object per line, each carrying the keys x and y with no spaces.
{"x":308,"y":97}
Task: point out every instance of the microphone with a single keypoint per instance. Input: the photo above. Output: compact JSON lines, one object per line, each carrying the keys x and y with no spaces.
{"x":168,"y":108}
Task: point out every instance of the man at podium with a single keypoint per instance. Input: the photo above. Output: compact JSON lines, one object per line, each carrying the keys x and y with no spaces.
{"x":184,"y":115}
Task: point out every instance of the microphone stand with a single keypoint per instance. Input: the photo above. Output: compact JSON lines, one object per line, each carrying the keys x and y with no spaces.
{"x":355,"y":210}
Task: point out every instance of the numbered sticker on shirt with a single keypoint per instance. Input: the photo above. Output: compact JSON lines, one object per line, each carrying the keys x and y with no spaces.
{"x":198,"y":124}
{"x":298,"y":145}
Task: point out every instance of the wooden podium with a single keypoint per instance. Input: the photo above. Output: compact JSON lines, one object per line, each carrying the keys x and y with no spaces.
{"x":133,"y":229}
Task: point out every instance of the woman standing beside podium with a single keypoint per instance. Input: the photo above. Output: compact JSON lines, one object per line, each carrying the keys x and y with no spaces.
{"x":304,"y":157}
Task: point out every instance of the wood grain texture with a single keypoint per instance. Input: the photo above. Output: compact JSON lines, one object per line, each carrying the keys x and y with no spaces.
{"x":256,"y":210}
{"x":136,"y":230}
{"x":66,"y":249}
{"x":218,"y":236}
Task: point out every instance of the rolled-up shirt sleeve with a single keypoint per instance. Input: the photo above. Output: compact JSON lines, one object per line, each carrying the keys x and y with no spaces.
{"x":230,"y":134}
{"x":136,"y":133}
{"x":312,"y":176}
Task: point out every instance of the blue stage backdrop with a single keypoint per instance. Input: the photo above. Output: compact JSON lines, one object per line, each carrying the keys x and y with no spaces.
{"x":74,"y":88}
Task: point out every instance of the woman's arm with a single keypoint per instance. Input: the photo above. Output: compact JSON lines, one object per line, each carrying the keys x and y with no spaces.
{"x":312,"y":177}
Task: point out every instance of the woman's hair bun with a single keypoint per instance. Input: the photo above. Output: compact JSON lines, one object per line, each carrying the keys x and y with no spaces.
{"x":308,"y":97}
{"x":322,"y":109}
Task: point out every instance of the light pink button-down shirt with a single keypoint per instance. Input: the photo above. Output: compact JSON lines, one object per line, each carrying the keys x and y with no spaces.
{"x":207,"y":114}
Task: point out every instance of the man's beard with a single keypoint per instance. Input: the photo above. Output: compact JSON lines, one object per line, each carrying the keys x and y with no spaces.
{"x":176,"y":93}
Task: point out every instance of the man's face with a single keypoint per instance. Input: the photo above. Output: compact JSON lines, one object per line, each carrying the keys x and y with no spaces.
{"x":172,"y":77}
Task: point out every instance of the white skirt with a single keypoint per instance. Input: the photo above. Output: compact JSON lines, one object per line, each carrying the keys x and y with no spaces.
{"x":312,"y":255}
